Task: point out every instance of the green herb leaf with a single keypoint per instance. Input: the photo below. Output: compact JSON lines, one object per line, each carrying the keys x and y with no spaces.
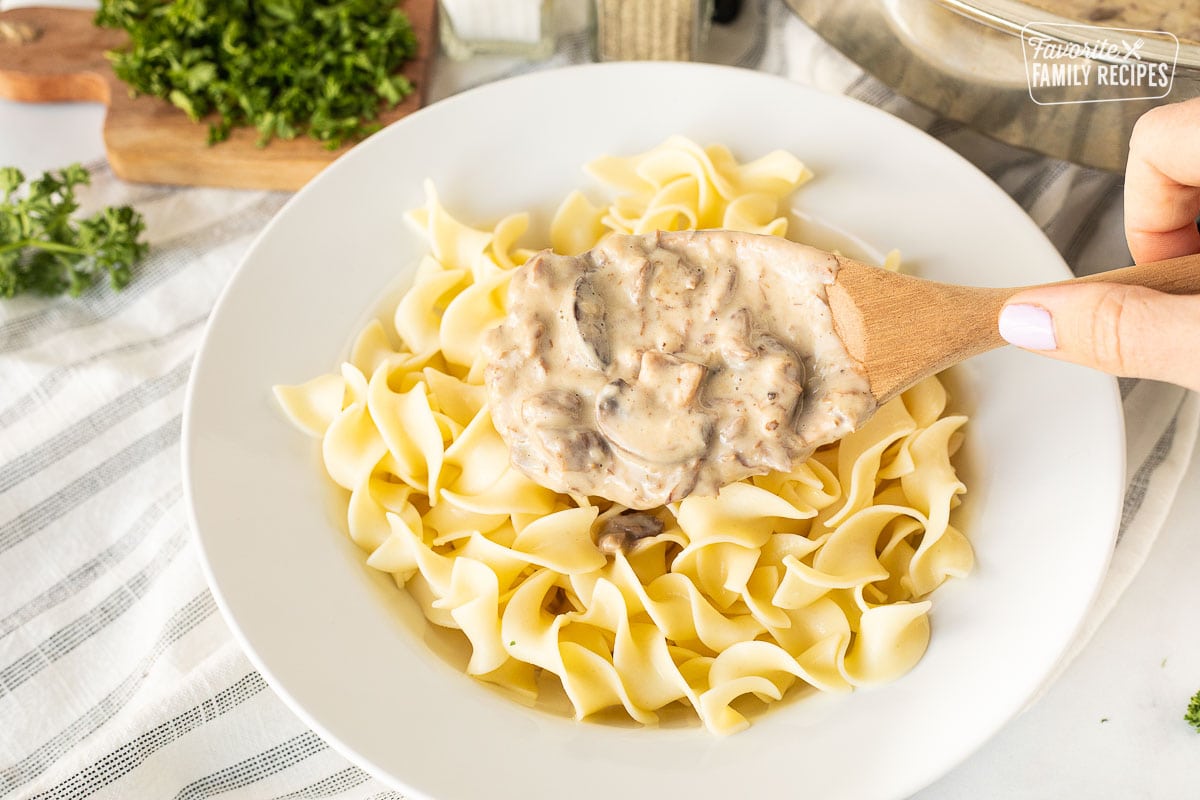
{"x":1192,"y":715}
{"x":283,"y":67}
{"x":10,"y":179}
{"x":44,"y":250}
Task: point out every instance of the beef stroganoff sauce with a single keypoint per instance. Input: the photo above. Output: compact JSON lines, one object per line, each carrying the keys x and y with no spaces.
{"x":816,"y":575}
{"x":668,"y":364}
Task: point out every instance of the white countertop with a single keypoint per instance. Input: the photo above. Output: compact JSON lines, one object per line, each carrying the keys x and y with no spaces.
{"x":1110,"y":727}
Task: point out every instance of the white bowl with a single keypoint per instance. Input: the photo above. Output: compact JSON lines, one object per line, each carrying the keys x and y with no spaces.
{"x":348,"y":651}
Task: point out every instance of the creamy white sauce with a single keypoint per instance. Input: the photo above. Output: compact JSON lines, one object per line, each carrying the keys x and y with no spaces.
{"x":658,"y":366}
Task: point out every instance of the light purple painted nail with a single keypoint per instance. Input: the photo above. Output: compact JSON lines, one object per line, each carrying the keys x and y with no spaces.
{"x":1028,"y":326}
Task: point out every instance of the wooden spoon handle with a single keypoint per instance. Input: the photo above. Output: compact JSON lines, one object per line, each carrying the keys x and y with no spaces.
{"x":55,"y":54}
{"x":904,"y":328}
{"x":1174,"y":276}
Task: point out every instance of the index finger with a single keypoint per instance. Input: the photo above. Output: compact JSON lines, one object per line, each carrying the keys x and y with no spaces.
{"x":1162,"y":183}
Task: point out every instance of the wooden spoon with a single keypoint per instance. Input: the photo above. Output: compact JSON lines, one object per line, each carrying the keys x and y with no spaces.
{"x":595,"y":376}
{"x":904,"y":329}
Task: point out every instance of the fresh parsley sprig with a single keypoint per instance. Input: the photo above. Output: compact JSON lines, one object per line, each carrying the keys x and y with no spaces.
{"x":282,"y":66}
{"x":45,"y":250}
{"x":1192,"y":715}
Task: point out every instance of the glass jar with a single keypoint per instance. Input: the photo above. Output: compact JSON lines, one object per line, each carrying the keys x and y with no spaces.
{"x":515,"y":28}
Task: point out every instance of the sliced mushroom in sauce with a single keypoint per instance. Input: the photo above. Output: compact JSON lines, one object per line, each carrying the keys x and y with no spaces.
{"x":621,"y":533}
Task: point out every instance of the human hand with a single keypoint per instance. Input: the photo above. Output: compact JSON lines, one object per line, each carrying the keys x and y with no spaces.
{"x":1131,"y":330}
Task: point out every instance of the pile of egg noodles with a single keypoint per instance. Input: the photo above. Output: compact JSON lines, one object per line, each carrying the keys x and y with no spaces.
{"x":815,"y":578}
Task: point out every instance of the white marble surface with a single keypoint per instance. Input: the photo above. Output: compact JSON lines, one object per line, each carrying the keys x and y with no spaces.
{"x":1110,"y":727}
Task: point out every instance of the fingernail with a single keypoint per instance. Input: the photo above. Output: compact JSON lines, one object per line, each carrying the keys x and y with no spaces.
{"x":1028,"y":326}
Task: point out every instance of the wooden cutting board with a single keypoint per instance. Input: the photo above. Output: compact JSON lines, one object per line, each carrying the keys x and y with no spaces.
{"x":55,"y":54}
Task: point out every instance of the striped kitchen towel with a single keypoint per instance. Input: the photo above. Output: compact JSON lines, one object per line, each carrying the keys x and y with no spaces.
{"x":118,"y":678}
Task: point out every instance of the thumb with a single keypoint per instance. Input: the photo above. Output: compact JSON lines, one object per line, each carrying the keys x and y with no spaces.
{"x":1123,"y":330}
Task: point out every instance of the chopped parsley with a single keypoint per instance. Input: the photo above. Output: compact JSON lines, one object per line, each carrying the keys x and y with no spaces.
{"x":285,"y":67}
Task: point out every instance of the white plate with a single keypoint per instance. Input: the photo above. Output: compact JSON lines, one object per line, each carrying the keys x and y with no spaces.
{"x":344,"y":648}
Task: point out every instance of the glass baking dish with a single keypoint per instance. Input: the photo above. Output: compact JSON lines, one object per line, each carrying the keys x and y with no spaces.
{"x":965,"y":60}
